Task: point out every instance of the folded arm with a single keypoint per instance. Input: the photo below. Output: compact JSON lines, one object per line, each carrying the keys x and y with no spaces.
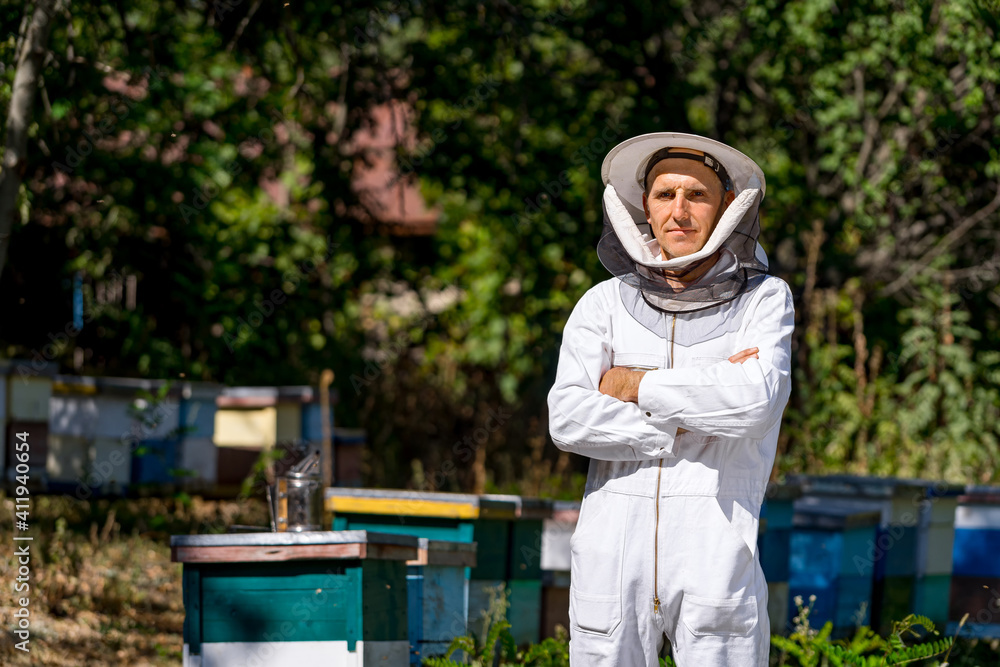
{"x":582,"y":419}
{"x":736,"y":400}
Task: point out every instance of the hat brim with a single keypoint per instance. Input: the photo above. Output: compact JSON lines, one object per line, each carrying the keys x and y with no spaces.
{"x":625,"y":165}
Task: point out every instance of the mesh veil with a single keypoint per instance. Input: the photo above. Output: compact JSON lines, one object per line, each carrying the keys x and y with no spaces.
{"x":741,"y":264}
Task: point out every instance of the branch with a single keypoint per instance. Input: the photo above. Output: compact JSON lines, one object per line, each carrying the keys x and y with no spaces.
{"x":942,"y":245}
{"x":243,"y":25}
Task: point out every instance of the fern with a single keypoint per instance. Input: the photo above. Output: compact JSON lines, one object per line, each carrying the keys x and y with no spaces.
{"x":811,"y":648}
{"x":441,"y":662}
{"x":551,"y":652}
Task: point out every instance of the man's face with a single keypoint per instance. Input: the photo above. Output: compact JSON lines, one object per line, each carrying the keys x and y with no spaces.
{"x":684,"y":201}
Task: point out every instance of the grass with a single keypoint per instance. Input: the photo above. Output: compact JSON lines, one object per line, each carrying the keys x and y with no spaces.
{"x":103,"y":589}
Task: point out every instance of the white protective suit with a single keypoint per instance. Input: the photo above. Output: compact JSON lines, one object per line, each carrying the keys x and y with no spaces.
{"x":667,"y":537}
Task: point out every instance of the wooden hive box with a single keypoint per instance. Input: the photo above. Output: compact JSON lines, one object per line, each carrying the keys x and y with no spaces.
{"x":26,"y":393}
{"x":774,"y":548}
{"x":524,"y":565}
{"x":556,"y":560}
{"x":197,"y":457}
{"x":68,"y":463}
{"x":438,"y":596}
{"x":251,"y":420}
{"x":828,"y":538}
{"x":72,"y":428}
{"x":906,"y":555}
{"x":150,"y":447}
{"x":438,"y":516}
{"x":295,"y":599}
{"x":28,"y":396}
{"x":975,"y":584}
{"x":935,"y":549}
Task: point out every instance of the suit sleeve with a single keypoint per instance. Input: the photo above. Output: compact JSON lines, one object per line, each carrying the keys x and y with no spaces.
{"x":584,"y":421}
{"x":731,"y":400}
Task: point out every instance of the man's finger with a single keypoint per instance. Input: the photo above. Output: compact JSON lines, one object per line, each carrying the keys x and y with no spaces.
{"x":740,"y":357}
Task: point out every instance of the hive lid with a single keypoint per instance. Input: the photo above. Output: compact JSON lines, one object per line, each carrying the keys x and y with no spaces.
{"x":525,"y":508}
{"x":828,"y":514}
{"x":417,"y":503}
{"x":445,"y":552}
{"x":313,"y":545}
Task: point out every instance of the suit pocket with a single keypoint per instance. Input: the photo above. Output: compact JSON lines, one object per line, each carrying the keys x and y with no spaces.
{"x":639,"y":360}
{"x":597,"y":614}
{"x":720,"y":617}
{"x":597,"y":551}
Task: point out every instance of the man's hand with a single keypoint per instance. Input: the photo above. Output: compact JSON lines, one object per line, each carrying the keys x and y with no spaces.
{"x":740,"y":357}
{"x":622,"y":383}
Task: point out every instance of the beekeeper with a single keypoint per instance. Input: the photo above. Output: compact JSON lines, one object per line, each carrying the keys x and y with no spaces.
{"x":672,"y":378}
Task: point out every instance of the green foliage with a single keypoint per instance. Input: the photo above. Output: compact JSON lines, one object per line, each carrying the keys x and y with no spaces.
{"x":202,"y":158}
{"x":808,"y":647}
{"x":497,"y":646}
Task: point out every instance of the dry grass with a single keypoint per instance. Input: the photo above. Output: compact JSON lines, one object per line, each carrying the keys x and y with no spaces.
{"x":103,"y":589}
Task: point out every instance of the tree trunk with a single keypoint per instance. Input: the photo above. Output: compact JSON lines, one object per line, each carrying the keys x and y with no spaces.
{"x":29,"y":69}
{"x":327,"y":463}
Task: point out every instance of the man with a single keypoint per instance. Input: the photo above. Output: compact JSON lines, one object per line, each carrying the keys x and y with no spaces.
{"x":672,"y":378}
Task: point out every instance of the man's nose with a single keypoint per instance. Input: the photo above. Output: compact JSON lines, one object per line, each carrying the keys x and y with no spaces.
{"x":682,"y":209}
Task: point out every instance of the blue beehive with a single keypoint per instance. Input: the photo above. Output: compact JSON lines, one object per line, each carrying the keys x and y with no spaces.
{"x":910,"y":568}
{"x":438,"y":596}
{"x":154,"y":461}
{"x":827,"y":541}
{"x":774,"y":547}
{"x":975,"y":584}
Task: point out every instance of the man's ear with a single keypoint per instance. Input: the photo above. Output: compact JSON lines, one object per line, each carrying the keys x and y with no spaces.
{"x":645,"y":209}
{"x":729,"y":197}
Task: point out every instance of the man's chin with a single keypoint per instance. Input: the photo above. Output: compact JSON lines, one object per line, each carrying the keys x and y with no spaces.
{"x":676,"y":252}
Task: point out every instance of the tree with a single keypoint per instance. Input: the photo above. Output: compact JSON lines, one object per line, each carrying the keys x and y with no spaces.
{"x":195,"y":169}
{"x":29,"y":57}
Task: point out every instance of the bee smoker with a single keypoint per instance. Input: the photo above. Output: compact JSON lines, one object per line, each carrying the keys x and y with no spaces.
{"x":298,"y":497}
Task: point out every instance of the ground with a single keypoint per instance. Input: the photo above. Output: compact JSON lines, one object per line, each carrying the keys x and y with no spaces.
{"x":103,"y":589}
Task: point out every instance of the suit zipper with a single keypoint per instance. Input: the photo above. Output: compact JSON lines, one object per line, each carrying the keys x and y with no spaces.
{"x":656,"y":500}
